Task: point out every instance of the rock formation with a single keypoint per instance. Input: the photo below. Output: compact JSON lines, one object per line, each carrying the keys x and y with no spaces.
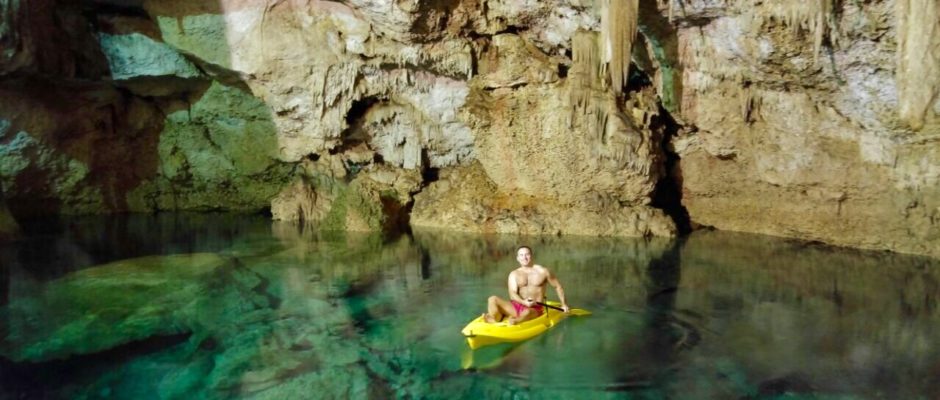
{"x":816,"y":121}
{"x":788,"y":138}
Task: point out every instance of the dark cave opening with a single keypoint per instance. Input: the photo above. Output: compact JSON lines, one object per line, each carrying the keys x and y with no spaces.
{"x":667,"y":195}
{"x":358,"y":110}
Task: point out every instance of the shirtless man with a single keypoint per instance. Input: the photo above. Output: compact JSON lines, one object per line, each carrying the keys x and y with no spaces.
{"x":526,"y":289}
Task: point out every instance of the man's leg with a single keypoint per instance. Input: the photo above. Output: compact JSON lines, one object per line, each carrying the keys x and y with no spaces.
{"x":497,"y":309}
{"x":524,"y":315}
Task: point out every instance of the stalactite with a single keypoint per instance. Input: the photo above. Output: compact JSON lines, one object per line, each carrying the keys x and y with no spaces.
{"x":601,"y":68}
{"x":605,"y":61}
{"x":751,"y":101}
{"x":618,"y":30}
{"x":586,"y":68}
{"x":813,"y":16}
{"x":670,"y":6}
{"x":918,"y":59}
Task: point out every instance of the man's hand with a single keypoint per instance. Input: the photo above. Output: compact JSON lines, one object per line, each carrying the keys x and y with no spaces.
{"x":529,"y":303}
{"x":566,"y":308}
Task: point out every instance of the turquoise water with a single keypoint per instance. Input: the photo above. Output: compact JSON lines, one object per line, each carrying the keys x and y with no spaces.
{"x":221,"y":306}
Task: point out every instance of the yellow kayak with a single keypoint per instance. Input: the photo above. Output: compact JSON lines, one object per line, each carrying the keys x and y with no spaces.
{"x":480,"y":333}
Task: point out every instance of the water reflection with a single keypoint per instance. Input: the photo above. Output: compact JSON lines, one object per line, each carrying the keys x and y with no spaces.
{"x":55,"y":246}
{"x":223,"y":307}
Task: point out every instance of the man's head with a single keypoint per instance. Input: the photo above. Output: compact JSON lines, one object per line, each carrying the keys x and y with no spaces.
{"x":524,"y":255}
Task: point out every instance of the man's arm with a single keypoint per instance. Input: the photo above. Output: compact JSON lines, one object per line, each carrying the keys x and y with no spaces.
{"x":552,"y":280}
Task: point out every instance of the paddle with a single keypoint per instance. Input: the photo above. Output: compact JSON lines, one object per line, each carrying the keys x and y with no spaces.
{"x":574,"y":311}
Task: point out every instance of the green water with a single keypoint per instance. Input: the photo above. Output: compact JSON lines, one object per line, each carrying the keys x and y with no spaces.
{"x":213,"y":306}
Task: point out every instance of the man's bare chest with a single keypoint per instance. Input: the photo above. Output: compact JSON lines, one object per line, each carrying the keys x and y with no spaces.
{"x":530,"y":278}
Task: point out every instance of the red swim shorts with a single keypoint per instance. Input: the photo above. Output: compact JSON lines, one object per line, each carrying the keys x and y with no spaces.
{"x":520,"y":307}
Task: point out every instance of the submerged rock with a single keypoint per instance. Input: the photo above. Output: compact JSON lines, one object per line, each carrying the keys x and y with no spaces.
{"x":103,"y":307}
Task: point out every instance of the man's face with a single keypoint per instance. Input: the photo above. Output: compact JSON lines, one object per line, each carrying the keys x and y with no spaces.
{"x":524,"y":256}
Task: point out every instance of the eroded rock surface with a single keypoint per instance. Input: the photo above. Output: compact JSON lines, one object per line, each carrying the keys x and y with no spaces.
{"x":816,"y":122}
{"x":812,"y":142}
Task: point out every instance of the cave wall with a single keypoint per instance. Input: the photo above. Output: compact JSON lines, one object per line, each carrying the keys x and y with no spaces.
{"x":816,"y":122}
{"x":806,"y":122}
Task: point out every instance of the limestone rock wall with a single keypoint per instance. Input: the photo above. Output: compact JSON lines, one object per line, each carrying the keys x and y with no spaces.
{"x":805,"y":123}
{"x":338,"y":114}
{"x":816,"y":122}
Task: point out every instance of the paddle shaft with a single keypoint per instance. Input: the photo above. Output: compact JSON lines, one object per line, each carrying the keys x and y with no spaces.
{"x":549,"y":306}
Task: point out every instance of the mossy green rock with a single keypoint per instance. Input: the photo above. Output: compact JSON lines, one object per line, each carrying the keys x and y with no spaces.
{"x":219,"y":154}
{"x":24,"y":158}
{"x":136,"y":55}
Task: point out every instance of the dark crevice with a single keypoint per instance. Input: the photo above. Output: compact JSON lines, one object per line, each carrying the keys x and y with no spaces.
{"x":127,"y":8}
{"x":474,"y":35}
{"x":359,"y":109}
{"x":696,"y":22}
{"x":428,"y":66}
{"x":637,"y":79}
{"x":512,"y":86}
{"x":430,"y":175}
{"x":667,"y":195}
{"x":513,"y":29}
{"x":353,"y":135}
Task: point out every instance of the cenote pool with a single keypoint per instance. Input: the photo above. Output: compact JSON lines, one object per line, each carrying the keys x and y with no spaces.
{"x":185,"y":306}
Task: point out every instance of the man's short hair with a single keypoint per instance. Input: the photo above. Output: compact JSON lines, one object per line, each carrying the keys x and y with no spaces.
{"x":524,"y":247}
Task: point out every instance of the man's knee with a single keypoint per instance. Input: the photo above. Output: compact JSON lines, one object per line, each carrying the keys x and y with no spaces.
{"x":493,"y":300}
